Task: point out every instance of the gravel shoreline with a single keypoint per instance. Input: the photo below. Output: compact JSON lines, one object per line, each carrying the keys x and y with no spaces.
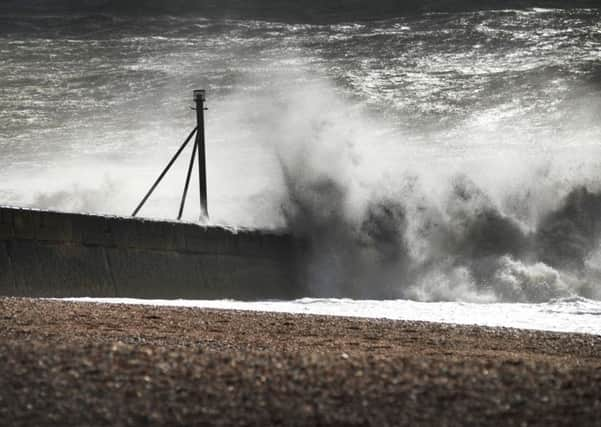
{"x":66,"y":363}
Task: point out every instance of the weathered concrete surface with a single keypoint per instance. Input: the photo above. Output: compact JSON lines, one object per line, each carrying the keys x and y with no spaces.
{"x":52,"y":254}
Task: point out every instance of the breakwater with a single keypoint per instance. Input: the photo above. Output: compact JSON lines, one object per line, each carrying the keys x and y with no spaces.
{"x":54,"y":254}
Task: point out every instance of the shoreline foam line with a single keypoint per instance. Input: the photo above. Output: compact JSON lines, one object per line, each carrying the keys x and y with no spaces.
{"x":570,"y":315}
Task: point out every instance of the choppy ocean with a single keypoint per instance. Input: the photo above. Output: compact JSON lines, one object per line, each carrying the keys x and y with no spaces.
{"x":428,"y":156}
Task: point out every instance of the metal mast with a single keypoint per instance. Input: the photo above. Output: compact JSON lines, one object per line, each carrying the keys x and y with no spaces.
{"x":199,"y":147}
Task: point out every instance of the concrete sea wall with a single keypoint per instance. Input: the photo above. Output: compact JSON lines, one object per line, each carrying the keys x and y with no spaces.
{"x":53,"y":254}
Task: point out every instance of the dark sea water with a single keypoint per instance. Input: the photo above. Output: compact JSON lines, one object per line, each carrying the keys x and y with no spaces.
{"x":443,"y":155}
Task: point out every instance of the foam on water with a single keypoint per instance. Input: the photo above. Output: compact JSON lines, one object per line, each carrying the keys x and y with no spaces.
{"x":564,"y":315}
{"x":435,"y":157}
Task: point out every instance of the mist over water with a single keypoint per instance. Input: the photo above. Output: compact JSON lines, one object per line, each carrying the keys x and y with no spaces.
{"x":450,"y":156}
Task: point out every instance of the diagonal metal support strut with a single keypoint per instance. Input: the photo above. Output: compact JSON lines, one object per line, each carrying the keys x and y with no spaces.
{"x":190,"y":166}
{"x":158,"y":180}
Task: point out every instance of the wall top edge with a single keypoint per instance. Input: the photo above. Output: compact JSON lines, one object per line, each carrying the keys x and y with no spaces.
{"x":144,"y":220}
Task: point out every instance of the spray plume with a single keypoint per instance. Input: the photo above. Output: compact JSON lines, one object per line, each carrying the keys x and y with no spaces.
{"x":430,"y":230}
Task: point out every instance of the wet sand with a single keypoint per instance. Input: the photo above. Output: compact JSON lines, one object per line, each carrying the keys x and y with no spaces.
{"x":64,"y":363}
